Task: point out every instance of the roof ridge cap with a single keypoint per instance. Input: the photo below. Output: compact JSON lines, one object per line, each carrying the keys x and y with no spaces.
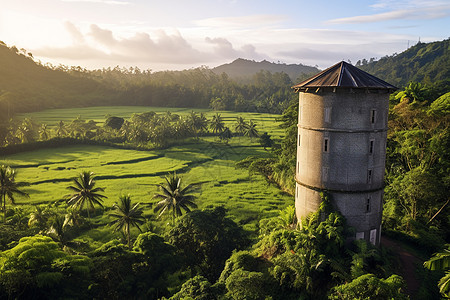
{"x":341,"y":71}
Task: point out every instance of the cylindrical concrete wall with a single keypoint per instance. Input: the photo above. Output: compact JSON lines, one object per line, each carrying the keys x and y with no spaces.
{"x":341,"y":149}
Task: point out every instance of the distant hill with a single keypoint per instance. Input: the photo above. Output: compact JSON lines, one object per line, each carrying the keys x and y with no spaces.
{"x":425,"y":62}
{"x":243,"y":69}
{"x":28,"y":86}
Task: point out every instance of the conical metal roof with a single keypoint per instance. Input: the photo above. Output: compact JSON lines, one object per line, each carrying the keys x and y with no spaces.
{"x":343,"y":75}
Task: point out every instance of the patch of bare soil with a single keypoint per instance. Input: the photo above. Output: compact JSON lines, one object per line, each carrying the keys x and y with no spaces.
{"x":408,"y":262}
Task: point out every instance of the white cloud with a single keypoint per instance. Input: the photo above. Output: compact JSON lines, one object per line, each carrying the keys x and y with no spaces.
{"x":155,"y":47}
{"x":224,"y":49}
{"x":241,"y":22}
{"x":73,"y":31}
{"x":402,"y":4}
{"x":420,"y":12}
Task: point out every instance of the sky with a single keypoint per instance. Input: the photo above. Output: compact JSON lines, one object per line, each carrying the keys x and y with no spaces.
{"x":183,"y":34}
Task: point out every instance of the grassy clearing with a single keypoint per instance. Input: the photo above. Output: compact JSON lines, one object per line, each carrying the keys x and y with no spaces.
{"x":119,"y":171}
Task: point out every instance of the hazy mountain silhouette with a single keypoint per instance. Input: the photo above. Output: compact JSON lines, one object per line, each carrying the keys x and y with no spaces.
{"x":243,"y":69}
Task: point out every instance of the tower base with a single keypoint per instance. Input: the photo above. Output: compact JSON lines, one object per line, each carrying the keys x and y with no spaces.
{"x":362,"y":210}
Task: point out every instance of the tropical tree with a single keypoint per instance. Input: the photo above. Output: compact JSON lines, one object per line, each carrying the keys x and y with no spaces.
{"x":39,"y":217}
{"x":368,"y":286}
{"x":174,"y":197}
{"x":43,"y":132}
{"x":114,"y":122}
{"x":241,"y":126}
{"x":414,"y":92}
{"x":18,"y":217}
{"x":199,"y":123}
{"x":197,"y":287}
{"x":226,"y":135}
{"x":205,"y":239}
{"x":127,"y":215}
{"x":218,"y":103}
{"x":302,"y":270}
{"x":251,"y":130}
{"x":11,"y":137}
{"x":202,"y":123}
{"x":84,"y":191}
{"x":217,"y":125}
{"x":26,"y":131}
{"x":265,"y":140}
{"x":57,"y":230}
{"x":37,"y":268}
{"x":73,"y":218}
{"x":441,"y":261}
{"x":61,"y":129}
{"x":9,"y":187}
{"x":287,"y":219}
{"x":3,"y":134}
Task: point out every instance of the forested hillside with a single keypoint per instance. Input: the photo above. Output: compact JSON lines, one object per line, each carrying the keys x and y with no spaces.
{"x":27,"y":86}
{"x":427,"y":63}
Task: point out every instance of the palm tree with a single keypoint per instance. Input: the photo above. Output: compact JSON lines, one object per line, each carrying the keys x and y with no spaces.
{"x":241,"y":126}
{"x":127,"y":215}
{"x":199,"y":123}
{"x":26,"y":131}
{"x":72,"y":218}
{"x":43,"y":132}
{"x":11,"y":138}
{"x":226,"y":135}
{"x":9,"y":187}
{"x":441,"y":261}
{"x":39,"y":217}
{"x":57,"y":230}
{"x":84,"y":190}
{"x":217,"y":124}
{"x":61,"y":129}
{"x":174,"y":197}
{"x":251,"y":130}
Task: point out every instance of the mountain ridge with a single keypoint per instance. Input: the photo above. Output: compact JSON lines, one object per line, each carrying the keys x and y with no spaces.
{"x":244,"y":69}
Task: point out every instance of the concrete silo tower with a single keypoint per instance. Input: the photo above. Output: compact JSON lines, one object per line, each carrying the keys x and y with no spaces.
{"x":341,"y":146}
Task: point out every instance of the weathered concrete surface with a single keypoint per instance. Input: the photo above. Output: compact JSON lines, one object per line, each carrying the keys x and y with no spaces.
{"x":341,"y":149}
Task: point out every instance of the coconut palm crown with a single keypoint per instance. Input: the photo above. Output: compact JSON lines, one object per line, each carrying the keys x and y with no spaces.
{"x":241,"y":125}
{"x":127,"y":215}
{"x":84,"y":191}
{"x":174,"y":197}
{"x":9,"y":187}
{"x":217,"y":125}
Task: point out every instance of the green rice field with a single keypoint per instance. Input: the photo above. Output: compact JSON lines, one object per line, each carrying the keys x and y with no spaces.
{"x":206,"y":162}
{"x":265,"y":122}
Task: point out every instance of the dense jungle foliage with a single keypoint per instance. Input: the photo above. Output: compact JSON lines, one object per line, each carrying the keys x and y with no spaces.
{"x":201,"y":255}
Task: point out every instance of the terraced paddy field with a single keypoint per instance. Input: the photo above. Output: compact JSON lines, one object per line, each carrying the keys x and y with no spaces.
{"x":206,"y":162}
{"x":265,"y":122}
